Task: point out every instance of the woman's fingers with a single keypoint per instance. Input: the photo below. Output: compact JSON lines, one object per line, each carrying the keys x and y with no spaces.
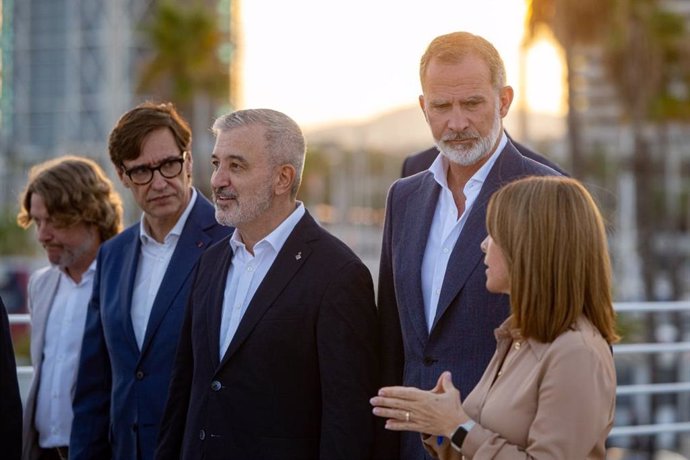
{"x":381,"y":401}
{"x":397,"y":414}
{"x":407,"y":393}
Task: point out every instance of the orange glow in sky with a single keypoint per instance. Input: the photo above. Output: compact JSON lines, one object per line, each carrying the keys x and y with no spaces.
{"x":322,"y":61}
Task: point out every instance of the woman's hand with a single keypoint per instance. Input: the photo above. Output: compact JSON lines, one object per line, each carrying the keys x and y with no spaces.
{"x":437,"y":412}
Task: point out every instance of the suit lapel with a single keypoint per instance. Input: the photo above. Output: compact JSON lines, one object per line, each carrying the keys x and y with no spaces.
{"x":292,"y":256}
{"x":45,"y":294}
{"x":129,"y":265}
{"x":467,"y":254}
{"x":213,"y":302}
{"x":192,"y":243}
{"x":414,"y":236}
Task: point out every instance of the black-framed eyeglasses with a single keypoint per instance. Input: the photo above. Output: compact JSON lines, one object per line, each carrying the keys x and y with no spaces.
{"x":142,"y":175}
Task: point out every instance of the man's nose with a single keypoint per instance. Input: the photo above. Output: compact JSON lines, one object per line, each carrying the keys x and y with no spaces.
{"x":458,"y":119}
{"x":44,"y":233}
{"x":158,"y":181}
{"x":219,"y":178}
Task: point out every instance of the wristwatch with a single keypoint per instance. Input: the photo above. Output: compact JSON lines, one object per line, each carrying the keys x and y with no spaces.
{"x":460,"y":433}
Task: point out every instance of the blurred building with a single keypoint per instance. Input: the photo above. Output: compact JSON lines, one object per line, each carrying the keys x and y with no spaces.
{"x":596,"y":99}
{"x":609,"y":142}
{"x":69,"y":70}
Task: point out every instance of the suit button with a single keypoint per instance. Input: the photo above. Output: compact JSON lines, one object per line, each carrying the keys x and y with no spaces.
{"x":202,"y":434}
{"x":428,"y":361}
{"x":140,"y":375}
{"x":215,"y":385}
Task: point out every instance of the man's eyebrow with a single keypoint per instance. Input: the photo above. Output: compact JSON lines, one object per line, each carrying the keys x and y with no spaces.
{"x":148,"y":165}
{"x":234,"y":157}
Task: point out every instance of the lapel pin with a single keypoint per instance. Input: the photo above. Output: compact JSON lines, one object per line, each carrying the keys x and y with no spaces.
{"x":298,"y":256}
{"x":199,"y":244}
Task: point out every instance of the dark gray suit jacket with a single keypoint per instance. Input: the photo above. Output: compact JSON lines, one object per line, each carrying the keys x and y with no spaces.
{"x":461,"y":338}
{"x":10,"y":403}
{"x":295,"y":382}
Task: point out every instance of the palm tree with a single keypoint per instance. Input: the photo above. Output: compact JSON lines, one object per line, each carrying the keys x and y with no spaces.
{"x":185,"y":43}
{"x":574,"y":24}
{"x":647,"y":55}
{"x":644,"y":47}
{"x":645,"y":59}
{"x":185,"y":68}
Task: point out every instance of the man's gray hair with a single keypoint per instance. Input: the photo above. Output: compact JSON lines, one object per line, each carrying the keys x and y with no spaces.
{"x":285,"y":143}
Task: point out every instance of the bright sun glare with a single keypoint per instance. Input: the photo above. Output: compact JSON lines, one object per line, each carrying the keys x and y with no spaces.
{"x":323,"y":61}
{"x":544,"y":79}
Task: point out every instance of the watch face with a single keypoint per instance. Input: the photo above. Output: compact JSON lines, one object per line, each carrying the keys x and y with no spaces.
{"x":459,"y":437}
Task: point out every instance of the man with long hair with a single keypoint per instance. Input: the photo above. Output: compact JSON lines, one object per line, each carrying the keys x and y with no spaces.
{"x":74,"y":208}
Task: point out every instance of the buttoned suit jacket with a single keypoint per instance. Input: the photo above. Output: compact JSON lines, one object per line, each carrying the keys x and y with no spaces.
{"x":42,"y":289}
{"x":461,"y":337}
{"x":10,"y":402}
{"x":121,"y":391}
{"x":422,"y":160}
{"x":296,"y":378}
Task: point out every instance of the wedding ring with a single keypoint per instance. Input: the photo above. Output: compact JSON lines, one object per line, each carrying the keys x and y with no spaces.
{"x":407,"y":417}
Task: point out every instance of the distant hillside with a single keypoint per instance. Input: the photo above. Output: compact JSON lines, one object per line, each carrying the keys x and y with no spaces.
{"x":403,"y":131}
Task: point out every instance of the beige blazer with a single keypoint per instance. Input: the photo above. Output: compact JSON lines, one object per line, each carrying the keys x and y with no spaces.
{"x":547,"y":401}
{"x":42,"y":289}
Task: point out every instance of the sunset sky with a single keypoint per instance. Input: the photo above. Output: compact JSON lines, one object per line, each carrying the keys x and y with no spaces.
{"x":322,"y":61}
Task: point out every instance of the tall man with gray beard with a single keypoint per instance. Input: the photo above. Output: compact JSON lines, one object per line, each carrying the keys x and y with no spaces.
{"x":434,"y":310}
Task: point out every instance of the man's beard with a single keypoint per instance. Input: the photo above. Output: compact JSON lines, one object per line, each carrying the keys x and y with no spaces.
{"x":241,"y":212}
{"x":467,"y":156}
{"x":71,"y":255}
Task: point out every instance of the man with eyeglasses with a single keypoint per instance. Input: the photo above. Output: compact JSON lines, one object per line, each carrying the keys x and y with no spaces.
{"x":141,"y":285}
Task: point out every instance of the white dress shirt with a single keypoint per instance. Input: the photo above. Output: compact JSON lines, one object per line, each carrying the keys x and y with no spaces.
{"x":153,"y":263}
{"x":446,"y":227}
{"x":246,"y":273}
{"x":62,"y":346}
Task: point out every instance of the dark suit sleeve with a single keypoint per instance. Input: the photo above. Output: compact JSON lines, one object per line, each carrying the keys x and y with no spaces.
{"x":10,"y":402}
{"x":392,"y":353}
{"x":91,"y":404}
{"x":419,"y":162}
{"x":406,"y":168}
{"x":347,"y":341}
{"x":531,"y":154}
{"x":171,"y":434}
{"x":392,"y":356}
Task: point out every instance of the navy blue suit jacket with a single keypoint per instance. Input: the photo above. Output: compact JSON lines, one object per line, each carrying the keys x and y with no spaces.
{"x":121,"y":391}
{"x":295,"y":381}
{"x":461,"y":338}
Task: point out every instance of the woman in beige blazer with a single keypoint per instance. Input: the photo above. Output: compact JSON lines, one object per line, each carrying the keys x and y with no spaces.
{"x":549,"y":392}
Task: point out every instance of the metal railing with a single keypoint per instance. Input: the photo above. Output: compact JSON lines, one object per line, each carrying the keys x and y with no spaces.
{"x":651,"y":388}
{"x":618,"y":350}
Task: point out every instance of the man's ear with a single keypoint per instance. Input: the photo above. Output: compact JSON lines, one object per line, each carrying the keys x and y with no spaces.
{"x":284,"y":179}
{"x":189,"y":163}
{"x":121,"y":175}
{"x":421,"y":105}
{"x":505,"y":96}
